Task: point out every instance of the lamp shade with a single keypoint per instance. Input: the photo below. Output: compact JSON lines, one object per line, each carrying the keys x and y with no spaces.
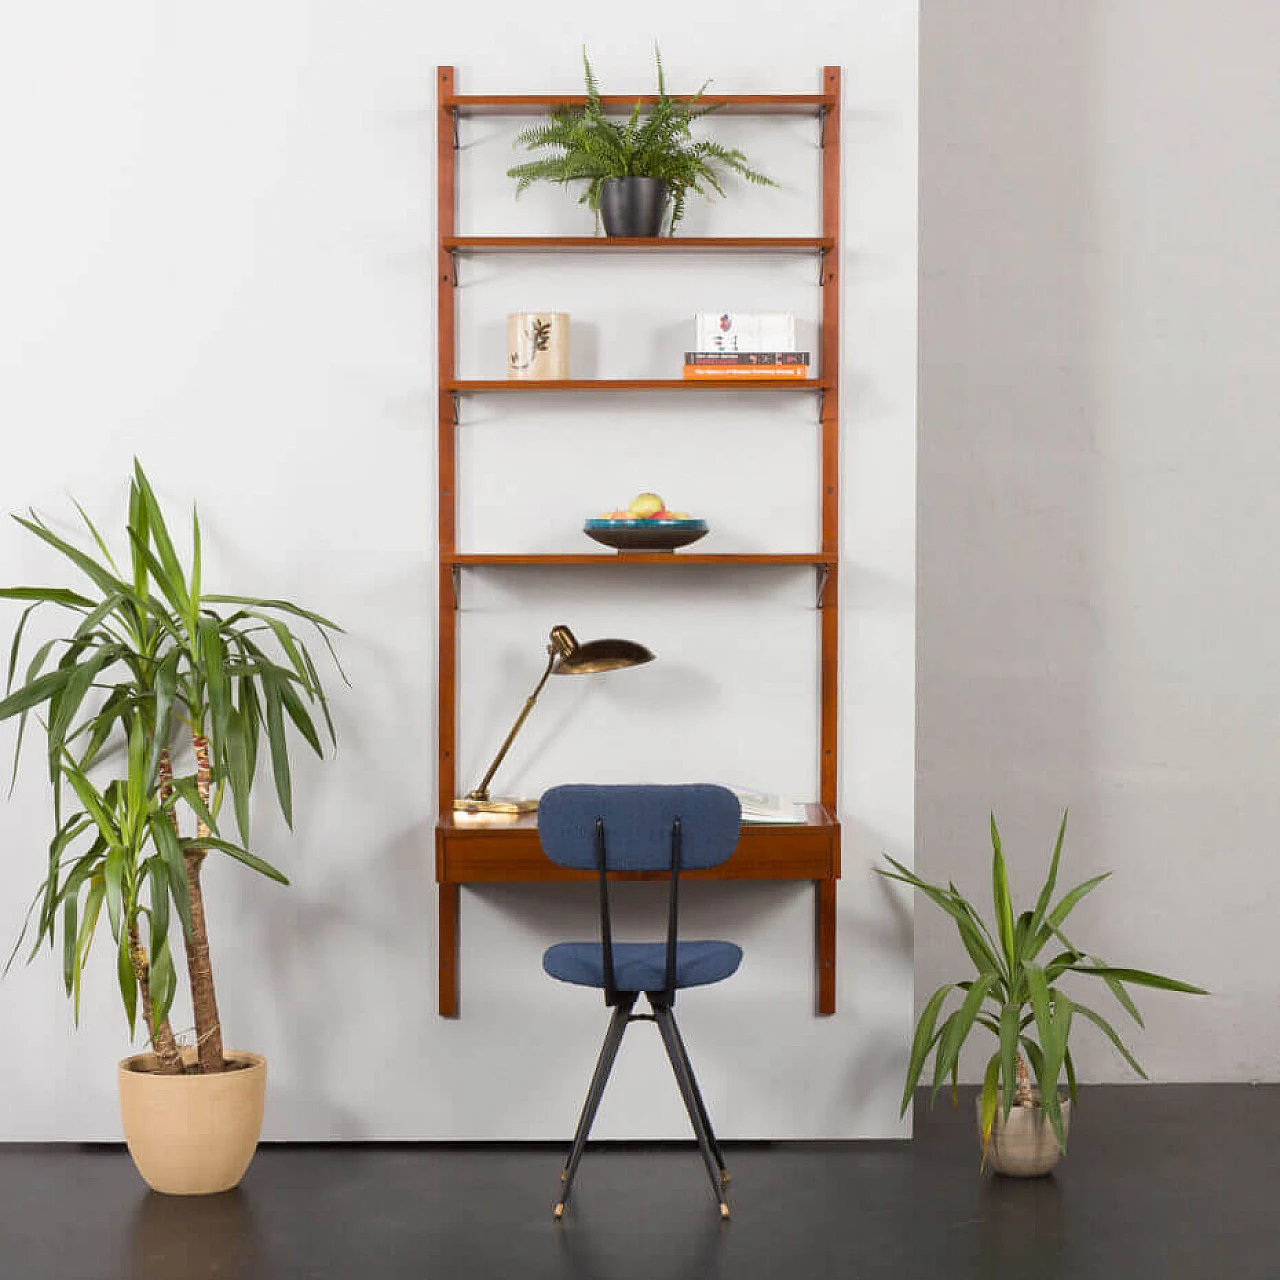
{"x":602,"y":655}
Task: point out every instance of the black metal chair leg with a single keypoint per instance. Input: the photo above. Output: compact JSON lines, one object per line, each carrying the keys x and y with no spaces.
{"x":663,"y":1016}
{"x":702,"y":1106}
{"x":604,"y":1064}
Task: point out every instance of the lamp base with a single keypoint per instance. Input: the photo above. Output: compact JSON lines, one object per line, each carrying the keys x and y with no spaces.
{"x":501,"y":805}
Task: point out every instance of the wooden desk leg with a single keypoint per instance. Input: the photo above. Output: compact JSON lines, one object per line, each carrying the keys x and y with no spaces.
{"x":447,"y":946}
{"x":825,"y":944}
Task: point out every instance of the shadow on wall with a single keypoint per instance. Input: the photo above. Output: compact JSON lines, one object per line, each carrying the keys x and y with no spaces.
{"x":1009,"y":477}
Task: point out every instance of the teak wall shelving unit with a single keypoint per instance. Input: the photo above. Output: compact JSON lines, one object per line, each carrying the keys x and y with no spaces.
{"x":511,"y":852}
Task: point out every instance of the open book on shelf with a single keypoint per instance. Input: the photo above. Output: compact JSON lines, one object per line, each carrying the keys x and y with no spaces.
{"x":768,"y":806}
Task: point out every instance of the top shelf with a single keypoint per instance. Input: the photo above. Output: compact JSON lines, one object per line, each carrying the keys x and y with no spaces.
{"x":738,"y":104}
{"x":653,"y":244}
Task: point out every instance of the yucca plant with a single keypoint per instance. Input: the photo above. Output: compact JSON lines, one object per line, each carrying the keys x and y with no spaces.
{"x":154,"y":663}
{"x":1016,"y":995}
{"x":590,"y":146}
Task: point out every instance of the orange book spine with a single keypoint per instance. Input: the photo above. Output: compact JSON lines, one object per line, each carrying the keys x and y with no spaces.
{"x":728,"y":373}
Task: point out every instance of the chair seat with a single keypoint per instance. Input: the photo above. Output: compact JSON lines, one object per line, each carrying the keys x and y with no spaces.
{"x":642,"y":966}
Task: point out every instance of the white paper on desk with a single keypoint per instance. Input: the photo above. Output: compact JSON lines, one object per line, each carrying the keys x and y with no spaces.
{"x":768,"y":806}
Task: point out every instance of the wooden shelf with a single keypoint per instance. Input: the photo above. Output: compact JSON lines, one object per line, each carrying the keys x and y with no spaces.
{"x":490,"y":853}
{"x":471,"y":386}
{"x":647,"y":244}
{"x":613,"y":559}
{"x":738,"y":104}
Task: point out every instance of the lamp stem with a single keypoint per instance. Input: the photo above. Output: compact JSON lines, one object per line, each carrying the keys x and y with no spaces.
{"x":481,"y":791}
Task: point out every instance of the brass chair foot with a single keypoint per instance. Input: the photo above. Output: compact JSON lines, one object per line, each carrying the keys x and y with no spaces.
{"x":559,"y":1211}
{"x":564,"y":1173}
{"x":724,"y":1177}
{"x":724,"y":1211}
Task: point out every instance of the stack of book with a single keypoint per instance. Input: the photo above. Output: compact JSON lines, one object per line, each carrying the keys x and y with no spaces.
{"x":746,"y":345}
{"x":746,"y":364}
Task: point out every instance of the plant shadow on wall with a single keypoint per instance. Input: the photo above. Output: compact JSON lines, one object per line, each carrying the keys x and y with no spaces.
{"x":155,"y":666}
{"x":639,"y":171}
{"x":1017,"y":997}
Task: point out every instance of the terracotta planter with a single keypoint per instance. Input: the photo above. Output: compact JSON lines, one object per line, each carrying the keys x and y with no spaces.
{"x":192,"y":1135}
{"x":1024,"y":1146}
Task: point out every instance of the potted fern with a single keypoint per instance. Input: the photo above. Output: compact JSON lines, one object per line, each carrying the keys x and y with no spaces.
{"x":638,"y":172}
{"x":157,"y":671}
{"x":1016,"y":995}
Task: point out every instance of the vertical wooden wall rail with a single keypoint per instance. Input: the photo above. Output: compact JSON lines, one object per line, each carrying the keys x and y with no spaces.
{"x":447,"y":612}
{"x":830,"y":622}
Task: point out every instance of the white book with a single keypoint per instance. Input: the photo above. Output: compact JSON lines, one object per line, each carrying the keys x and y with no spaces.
{"x":768,"y":806}
{"x":745,"y":331}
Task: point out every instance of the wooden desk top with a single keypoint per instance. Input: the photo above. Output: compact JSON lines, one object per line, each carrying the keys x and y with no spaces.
{"x":477,"y":853}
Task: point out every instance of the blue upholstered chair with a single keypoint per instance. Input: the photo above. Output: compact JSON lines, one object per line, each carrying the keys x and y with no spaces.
{"x":641,"y":828}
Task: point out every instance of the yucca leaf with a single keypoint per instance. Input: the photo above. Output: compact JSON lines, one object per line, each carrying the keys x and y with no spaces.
{"x":164,"y":982}
{"x":1052,"y":1047}
{"x":158,"y":878}
{"x":187,"y":789}
{"x":84,"y":939}
{"x":990,"y":1088}
{"x":166,"y":691}
{"x":1000,"y":897}
{"x":102,"y":578}
{"x":47,"y":595}
{"x":195,"y":560}
{"x":70,"y":933}
{"x":166,"y":840}
{"x":238,"y":769}
{"x":243,"y":855}
{"x":36,"y":691}
{"x":1008,"y":1052}
{"x":113,"y":876}
{"x":279,"y":750}
{"x":1141,"y":978}
{"x":957,"y":1028}
{"x":213,"y":661}
{"x":173,"y":589}
{"x":1046,"y":893}
{"x":159,"y":534}
{"x":128,"y":982}
{"x":924,"y":1040}
{"x":139,"y":540}
{"x":984,"y":957}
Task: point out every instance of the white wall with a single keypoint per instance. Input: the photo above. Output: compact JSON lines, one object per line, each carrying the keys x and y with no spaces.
{"x":1099,"y":394}
{"x":217,"y":253}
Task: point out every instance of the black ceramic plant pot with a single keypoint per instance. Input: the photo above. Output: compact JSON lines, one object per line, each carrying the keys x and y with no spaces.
{"x":633,"y":206}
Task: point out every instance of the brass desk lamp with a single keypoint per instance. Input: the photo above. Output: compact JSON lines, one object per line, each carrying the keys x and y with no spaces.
{"x":565,"y":657}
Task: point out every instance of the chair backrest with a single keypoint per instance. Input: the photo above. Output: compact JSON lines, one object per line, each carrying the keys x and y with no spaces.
{"x":637,"y":825}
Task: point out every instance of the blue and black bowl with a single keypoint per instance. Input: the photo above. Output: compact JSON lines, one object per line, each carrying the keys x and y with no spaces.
{"x":645,"y":535}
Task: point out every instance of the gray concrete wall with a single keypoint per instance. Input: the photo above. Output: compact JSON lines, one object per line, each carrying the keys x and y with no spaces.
{"x":1099,"y":598}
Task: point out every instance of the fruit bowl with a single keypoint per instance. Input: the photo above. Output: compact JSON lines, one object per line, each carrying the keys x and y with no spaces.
{"x":645,"y":535}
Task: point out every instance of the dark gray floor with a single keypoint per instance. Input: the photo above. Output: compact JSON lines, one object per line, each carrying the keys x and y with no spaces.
{"x":1174,"y":1181}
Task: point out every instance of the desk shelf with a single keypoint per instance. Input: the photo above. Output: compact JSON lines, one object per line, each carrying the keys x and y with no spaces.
{"x":509,"y":853}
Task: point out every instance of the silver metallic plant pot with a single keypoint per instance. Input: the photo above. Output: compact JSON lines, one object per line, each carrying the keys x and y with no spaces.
{"x":1024,"y":1146}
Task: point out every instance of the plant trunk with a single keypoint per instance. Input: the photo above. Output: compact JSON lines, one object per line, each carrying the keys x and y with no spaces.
{"x":1022,"y":1096}
{"x":204,"y":1001}
{"x":160,"y":1034}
